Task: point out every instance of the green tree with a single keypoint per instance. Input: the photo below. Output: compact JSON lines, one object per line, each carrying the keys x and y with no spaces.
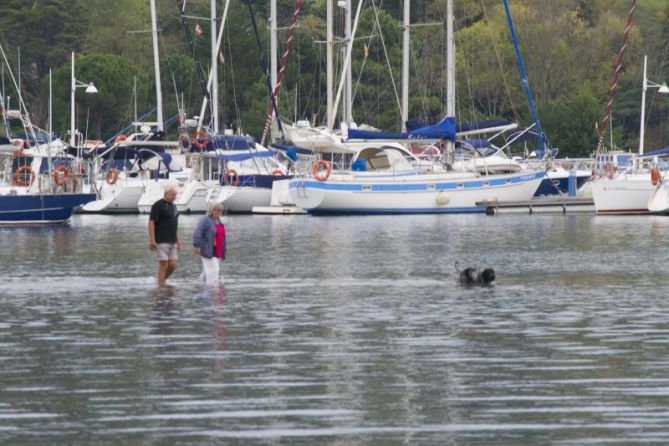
{"x":113,"y":78}
{"x":570,"y":125}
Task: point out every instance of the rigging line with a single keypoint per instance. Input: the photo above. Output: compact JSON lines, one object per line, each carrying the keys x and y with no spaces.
{"x":422,"y":88}
{"x":282,"y":70}
{"x":655,"y":93}
{"x":196,"y":61}
{"x":499,"y":62}
{"x":614,"y":82}
{"x":265,"y":70}
{"x":385,"y":52}
{"x":312,"y":89}
{"x":234,"y":86}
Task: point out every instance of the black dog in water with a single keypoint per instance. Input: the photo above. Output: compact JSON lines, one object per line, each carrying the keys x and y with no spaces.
{"x":473,"y":276}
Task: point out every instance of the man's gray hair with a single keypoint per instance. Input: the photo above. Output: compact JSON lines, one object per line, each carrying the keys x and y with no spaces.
{"x":171,"y":187}
{"x":214,"y":206}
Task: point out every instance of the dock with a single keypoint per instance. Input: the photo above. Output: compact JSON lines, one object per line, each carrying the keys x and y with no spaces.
{"x":541,"y":205}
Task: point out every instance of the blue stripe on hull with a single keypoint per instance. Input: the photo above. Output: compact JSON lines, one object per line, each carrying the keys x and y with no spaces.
{"x":19,"y":209}
{"x":419,"y":186}
{"x":390,"y":211}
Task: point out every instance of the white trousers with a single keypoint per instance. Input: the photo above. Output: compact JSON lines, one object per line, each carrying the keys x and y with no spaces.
{"x":210,"y":270}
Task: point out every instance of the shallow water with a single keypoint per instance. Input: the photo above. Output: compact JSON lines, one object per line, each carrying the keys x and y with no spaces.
{"x":346,"y":330}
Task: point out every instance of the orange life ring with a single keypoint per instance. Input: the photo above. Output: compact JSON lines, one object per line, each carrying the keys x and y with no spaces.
{"x":278,"y":172}
{"x":200,"y":139}
{"x":112,"y":176}
{"x":655,"y":175}
{"x":231,"y":177}
{"x":318,"y":173}
{"x":60,"y":175}
{"x":120,"y":138}
{"x":22,"y":171}
{"x":22,"y":145}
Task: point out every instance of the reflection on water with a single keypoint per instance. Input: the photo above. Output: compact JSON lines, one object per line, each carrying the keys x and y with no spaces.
{"x":339,"y":331}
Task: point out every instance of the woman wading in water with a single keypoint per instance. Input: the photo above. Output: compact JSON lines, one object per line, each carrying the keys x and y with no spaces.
{"x":209,"y":243}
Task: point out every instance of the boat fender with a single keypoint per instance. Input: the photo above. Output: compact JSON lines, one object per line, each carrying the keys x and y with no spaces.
{"x":21,"y":171}
{"x":321,"y":174}
{"x":231,"y":177}
{"x":112,"y":176}
{"x":442,"y":199}
{"x":60,"y":175}
{"x":22,"y":145}
{"x":185,"y":142}
{"x":655,"y":175}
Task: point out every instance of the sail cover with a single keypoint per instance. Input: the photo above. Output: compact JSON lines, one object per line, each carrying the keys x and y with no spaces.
{"x":444,"y":129}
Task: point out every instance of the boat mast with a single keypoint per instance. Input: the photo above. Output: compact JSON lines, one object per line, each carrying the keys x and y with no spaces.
{"x":214,"y":68}
{"x":273,"y":43}
{"x":347,"y":63}
{"x":405,"y":63}
{"x":72,"y":109}
{"x":349,"y":73}
{"x":330,"y":70}
{"x":526,"y":85}
{"x":156,"y":64}
{"x":450,"y":67}
{"x":642,"y":126}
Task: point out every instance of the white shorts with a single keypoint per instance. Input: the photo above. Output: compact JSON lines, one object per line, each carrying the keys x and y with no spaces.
{"x":166,"y":251}
{"x":211,"y":269}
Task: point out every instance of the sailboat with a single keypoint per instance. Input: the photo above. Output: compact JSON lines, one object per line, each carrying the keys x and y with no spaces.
{"x":634,"y":189}
{"x":39,"y":183}
{"x":384,"y":177}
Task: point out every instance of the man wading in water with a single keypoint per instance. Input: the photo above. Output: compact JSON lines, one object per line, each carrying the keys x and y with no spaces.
{"x":163,"y":237}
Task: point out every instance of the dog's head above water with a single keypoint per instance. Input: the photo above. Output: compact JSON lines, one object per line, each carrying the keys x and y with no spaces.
{"x":474,"y":276}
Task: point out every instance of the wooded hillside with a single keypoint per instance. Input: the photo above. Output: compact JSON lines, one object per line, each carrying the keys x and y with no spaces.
{"x":570,"y":49}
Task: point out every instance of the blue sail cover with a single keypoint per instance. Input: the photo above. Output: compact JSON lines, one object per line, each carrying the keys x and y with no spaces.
{"x":658,"y":152}
{"x":444,"y":129}
{"x":243,"y":156}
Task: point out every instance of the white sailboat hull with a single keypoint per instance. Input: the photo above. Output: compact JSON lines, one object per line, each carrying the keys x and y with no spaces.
{"x":243,"y":199}
{"x":428,"y":193}
{"x":194,"y":196}
{"x":658,"y":203}
{"x":121,"y":199}
{"x":624,"y":194}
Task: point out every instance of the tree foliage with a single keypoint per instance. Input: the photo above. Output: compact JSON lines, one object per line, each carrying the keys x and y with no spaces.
{"x":570,"y":50}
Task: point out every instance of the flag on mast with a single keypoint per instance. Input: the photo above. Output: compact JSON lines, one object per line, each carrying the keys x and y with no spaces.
{"x":198,"y":29}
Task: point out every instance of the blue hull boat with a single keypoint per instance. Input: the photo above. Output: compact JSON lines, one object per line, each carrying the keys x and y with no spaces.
{"x":39,"y":209}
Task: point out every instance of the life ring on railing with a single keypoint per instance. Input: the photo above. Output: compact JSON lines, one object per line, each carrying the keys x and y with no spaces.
{"x":278,"y":173}
{"x":22,"y":145}
{"x":231,"y":177}
{"x":112,"y":176}
{"x":609,"y":170}
{"x":120,"y":138}
{"x":22,"y":171}
{"x":319,"y":174}
{"x":655,"y":175}
{"x":60,"y":175}
{"x":185,"y":142}
{"x":200,"y":139}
